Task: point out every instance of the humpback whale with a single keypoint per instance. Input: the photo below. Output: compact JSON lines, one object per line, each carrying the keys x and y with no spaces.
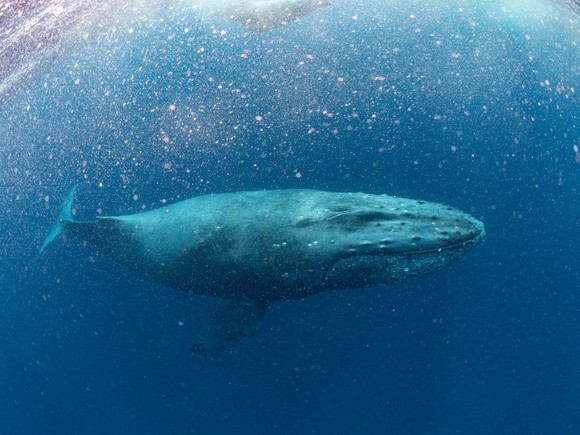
{"x":254,"y":248}
{"x":264,"y":15}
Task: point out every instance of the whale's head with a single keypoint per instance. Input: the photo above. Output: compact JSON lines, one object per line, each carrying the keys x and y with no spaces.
{"x":376,"y":239}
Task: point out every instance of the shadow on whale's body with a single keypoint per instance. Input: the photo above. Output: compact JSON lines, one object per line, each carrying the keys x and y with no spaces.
{"x":254,"y":248}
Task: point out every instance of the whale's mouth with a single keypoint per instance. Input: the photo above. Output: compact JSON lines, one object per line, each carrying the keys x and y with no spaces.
{"x":449,"y":247}
{"x":473,"y":237}
{"x":366,"y":264}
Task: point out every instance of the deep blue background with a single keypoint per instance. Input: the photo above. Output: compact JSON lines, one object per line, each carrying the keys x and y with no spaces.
{"x":474,"y":107}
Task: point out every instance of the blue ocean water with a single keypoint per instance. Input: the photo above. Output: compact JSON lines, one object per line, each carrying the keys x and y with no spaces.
{"x":468,"y":103}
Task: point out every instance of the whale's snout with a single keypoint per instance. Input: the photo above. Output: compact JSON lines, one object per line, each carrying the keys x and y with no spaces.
{"x":390,"y":226}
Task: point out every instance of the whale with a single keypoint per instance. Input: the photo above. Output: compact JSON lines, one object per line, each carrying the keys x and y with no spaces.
{"x":254,"y":248}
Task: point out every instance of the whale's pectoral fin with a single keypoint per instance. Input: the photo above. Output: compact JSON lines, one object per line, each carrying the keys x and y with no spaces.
{"x":229,"y":324}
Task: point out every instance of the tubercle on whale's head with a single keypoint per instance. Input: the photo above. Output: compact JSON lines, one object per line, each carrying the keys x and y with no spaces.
{"x":375,"y":224}
{"x":379,"y":239}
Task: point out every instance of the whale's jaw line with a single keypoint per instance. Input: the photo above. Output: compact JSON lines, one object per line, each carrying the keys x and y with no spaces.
{"x":473,"y":238}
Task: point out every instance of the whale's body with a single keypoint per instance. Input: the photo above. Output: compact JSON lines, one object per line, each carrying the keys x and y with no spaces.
{"x":257,"y":247}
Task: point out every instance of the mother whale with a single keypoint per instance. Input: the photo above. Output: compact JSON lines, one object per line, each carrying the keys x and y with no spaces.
{"x":257,"y":247}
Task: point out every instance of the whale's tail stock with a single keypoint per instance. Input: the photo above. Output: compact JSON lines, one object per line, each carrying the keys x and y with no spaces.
{"x":64,"y":216}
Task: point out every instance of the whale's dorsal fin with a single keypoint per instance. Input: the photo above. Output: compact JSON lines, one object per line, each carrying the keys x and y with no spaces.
{"x":234,"y":321}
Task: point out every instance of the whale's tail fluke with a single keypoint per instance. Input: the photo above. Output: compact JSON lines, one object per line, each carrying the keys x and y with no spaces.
{"x":65,"y":215}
